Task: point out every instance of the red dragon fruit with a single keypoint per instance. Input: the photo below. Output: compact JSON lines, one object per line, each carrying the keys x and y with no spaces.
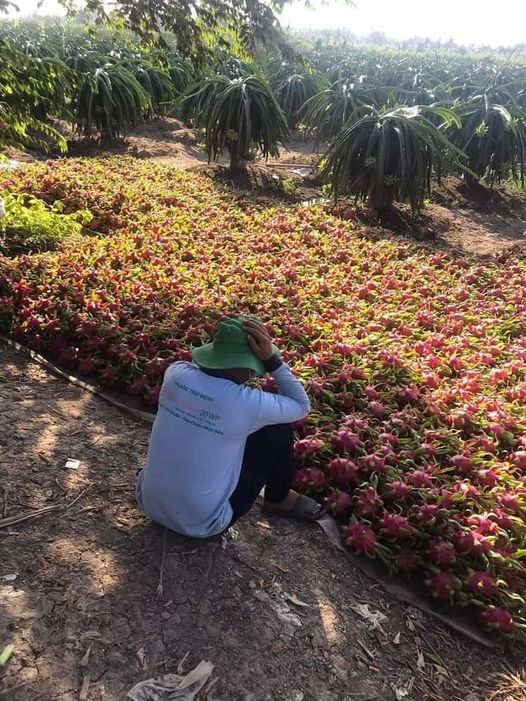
{"x":310,"y":479}
{"x":481,"y":584}
{"x":483,"y":524}
{"x":419,"y":479}
{"x":442,"y":586}
{"x":463,"y":463}
{"x":343,"y":471}
{"x":305,"y":448}
{"x":395,"y":527}
{"x":441,"y":552}
{"x":397,"y":491}
{"x":426,"y":514}
{"x":487,"y":477}
{"x":366,"y":503}
{"x":345,"y":441}
{"x":338,"y":503}
{"x":407,"y":560}
{"x":372,"y":463}
{"x":471,"y":542}
{"x":495,"y":618}
{"x":361,"y":538}
{"x":518,"y":458}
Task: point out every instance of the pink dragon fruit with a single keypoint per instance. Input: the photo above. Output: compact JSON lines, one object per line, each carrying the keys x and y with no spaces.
{"x":518,"y":458}
{"x":338,"y":503}
{"x":305,"y":448}
{"x":441,"y":552}
{"x":426,"y":514}
{"x":502,"y":518}
{"x":419,"y":479}
{"x":343,"y":471}
{"x":481,"y":584}
{"x":509,"y":501}
{"x":396,"y":491}
{"x":366,"y":503}
{"x":377,"y":409}
{"x":406,"y":560}
{"x":487,"y":477}
{"x":395,"y":527}
{"x":471,"y":542}
{"x":361,"y":538}
{"x":310,"y":479}
{"x":483,"y":524}
{"x":345,"y":441}
{"x":495,"y":618}
{"x":442,"y":586}
{"x":372,"y":463}
{"x":463,"y":463}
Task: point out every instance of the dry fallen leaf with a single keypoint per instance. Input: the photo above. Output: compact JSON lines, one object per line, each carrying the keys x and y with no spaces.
{"x":142,"y":658}
{"x":85,"y":659}
{"x":84,"y":690}
{"x":410,"y":625}
{"x":375,"y":618}
{"x":281,"y":568}
{"x":293,"y":599}
{"x":396,"y":640}
{"x":420,"y":662}
{"x":9,"y":577}
{"x":401,"y":692}
{"x":264,"y":525}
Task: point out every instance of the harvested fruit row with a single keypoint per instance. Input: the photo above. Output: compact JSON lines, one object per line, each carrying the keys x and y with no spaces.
{"x":414,"y":359}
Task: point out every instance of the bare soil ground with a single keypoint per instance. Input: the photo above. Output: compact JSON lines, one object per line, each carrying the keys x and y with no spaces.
{"x":276,"y":610}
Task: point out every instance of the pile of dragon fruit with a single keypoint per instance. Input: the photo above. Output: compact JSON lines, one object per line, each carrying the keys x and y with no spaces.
{"x":414,"y":358}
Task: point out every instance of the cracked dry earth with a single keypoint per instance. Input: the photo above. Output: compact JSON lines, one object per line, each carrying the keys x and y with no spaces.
{"x":274,"y":611}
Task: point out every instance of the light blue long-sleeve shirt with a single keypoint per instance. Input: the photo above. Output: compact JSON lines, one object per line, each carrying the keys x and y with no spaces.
{"x":198,"y":440}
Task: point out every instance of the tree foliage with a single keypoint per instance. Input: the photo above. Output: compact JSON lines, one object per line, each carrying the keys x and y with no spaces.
{"x":30,"y":89}
{"x":198,"y":25}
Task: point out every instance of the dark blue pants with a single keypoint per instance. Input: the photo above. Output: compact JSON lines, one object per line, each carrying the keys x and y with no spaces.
{"x":267,"y":462}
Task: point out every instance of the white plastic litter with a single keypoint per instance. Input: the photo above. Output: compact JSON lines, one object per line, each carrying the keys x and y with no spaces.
{"x":72,"y":464}
{"x":173,"y":687}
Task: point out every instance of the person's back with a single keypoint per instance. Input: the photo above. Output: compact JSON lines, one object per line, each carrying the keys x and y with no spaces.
{"x":199,"y":437}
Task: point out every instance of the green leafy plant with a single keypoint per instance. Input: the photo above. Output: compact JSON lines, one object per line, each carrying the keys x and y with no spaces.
{"x":237,"y":114}
{"x":388,"y":155}
{"x":30,"y":225}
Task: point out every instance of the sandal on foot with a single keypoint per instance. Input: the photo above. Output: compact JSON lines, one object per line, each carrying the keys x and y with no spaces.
{"x":304,"y":509}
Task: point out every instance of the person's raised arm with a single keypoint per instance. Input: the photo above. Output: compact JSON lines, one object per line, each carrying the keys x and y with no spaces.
{"x":292,"y":402}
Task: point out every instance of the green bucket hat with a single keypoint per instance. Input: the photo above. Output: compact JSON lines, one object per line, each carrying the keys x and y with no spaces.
{"x":229,"y":349}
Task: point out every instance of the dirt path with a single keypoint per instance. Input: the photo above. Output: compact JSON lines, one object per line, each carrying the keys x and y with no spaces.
{"x":274,"y":610}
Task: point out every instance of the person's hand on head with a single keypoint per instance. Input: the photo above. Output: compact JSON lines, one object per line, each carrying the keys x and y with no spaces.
{"x":259,"y":339}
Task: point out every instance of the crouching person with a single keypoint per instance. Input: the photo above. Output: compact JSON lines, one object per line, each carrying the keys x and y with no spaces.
{"x":216,"y":443}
